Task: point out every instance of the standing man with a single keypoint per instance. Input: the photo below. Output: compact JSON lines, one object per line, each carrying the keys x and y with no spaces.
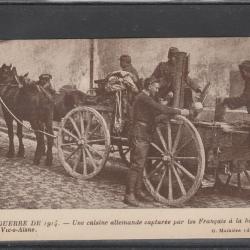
{"x":164,"y":73}
{"x":242,"y":150}
{"x":244,"y":98}
{"x":126,"y":65}
{"x":45,"y":81}
{"x":145,"y":109}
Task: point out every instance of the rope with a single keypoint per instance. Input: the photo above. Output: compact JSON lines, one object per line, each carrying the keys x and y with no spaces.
{"x":118,"y":112}
{"x":20,"y":122}
{"x":120,"y":104}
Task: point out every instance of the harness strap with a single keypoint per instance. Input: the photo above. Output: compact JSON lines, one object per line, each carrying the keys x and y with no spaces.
{"x":41,"y":89}
{"x":20,"y":122}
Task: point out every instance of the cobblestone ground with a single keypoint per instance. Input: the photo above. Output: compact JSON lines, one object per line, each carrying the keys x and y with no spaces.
{"x":24,"y":185}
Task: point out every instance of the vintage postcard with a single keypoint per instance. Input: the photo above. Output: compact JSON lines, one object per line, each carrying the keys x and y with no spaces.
{"x":137,"y":138}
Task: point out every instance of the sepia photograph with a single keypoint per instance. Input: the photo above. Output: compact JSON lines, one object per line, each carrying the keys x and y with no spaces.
{"x":159,"y":123}
{"x":124,"y":124}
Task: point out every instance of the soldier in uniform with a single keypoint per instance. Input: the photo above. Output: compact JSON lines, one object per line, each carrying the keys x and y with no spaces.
{"x":244,"y":98}
{"x":164,"y":73}
{"x":44,"y":81}
{"x":126,"y":65}
{"x":242,"y":151}
{"x":145,"y":109}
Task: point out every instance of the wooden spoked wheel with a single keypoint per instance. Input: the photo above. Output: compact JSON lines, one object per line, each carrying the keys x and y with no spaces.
{"x":176,"y":162}
{"x":83,"y":142}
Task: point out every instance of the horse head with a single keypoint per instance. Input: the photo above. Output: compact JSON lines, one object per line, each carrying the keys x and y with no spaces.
{"x":6,"y":73}
{"x":23,"y":81}
{"x":5,"y":67}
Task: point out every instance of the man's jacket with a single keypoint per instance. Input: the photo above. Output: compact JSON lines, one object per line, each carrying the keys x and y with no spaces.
{"x":164,"y":73}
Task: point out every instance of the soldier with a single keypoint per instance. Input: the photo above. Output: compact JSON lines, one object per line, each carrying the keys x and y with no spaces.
{"x":244,"y":98}
{"x":145,"y":109}
{"x":164,"y":73}
{"x":126,"y":65}
{"x":44,"y":81}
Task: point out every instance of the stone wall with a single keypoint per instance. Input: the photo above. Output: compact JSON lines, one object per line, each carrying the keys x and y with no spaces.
{"x":66,"y":60}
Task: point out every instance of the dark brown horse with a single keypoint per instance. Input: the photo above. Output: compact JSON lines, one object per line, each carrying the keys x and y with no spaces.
{"x":28,"y":102}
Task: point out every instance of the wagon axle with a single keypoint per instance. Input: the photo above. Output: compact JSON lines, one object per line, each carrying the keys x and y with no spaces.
{"x":167,"y":158}
{"x":82,"y":142}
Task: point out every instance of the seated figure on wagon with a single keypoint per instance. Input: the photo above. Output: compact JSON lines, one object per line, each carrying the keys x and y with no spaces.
{"x":165,"y":73}
{"x":244,"y":98}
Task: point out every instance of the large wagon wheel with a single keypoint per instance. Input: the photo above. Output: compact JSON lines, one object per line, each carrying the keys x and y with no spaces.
{"x":176,"y":162}
{"x":83,"y":142}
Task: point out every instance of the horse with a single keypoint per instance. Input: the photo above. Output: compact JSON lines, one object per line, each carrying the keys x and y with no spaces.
{"x":28,"y":102}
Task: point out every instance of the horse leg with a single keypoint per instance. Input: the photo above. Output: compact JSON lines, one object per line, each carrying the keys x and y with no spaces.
{"x":40,"y":142}
{"x":20,"y":138}
{"x":50,"y":141}
{"x":43,"y":148}
{"x":9,"y":124}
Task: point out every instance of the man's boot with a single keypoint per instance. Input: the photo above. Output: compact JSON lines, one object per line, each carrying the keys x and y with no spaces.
{"x":140,"y":194}
{"x":130,"y":198}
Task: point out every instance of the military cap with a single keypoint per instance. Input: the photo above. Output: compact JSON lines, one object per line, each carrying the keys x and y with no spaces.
{"x":45,"y":77}
{"x":245,"y":65}
{"x":125,"y":58}
{"x":172,"y":50}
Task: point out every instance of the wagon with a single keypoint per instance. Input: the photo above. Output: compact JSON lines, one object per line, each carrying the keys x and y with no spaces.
{"x":180,"y":152}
